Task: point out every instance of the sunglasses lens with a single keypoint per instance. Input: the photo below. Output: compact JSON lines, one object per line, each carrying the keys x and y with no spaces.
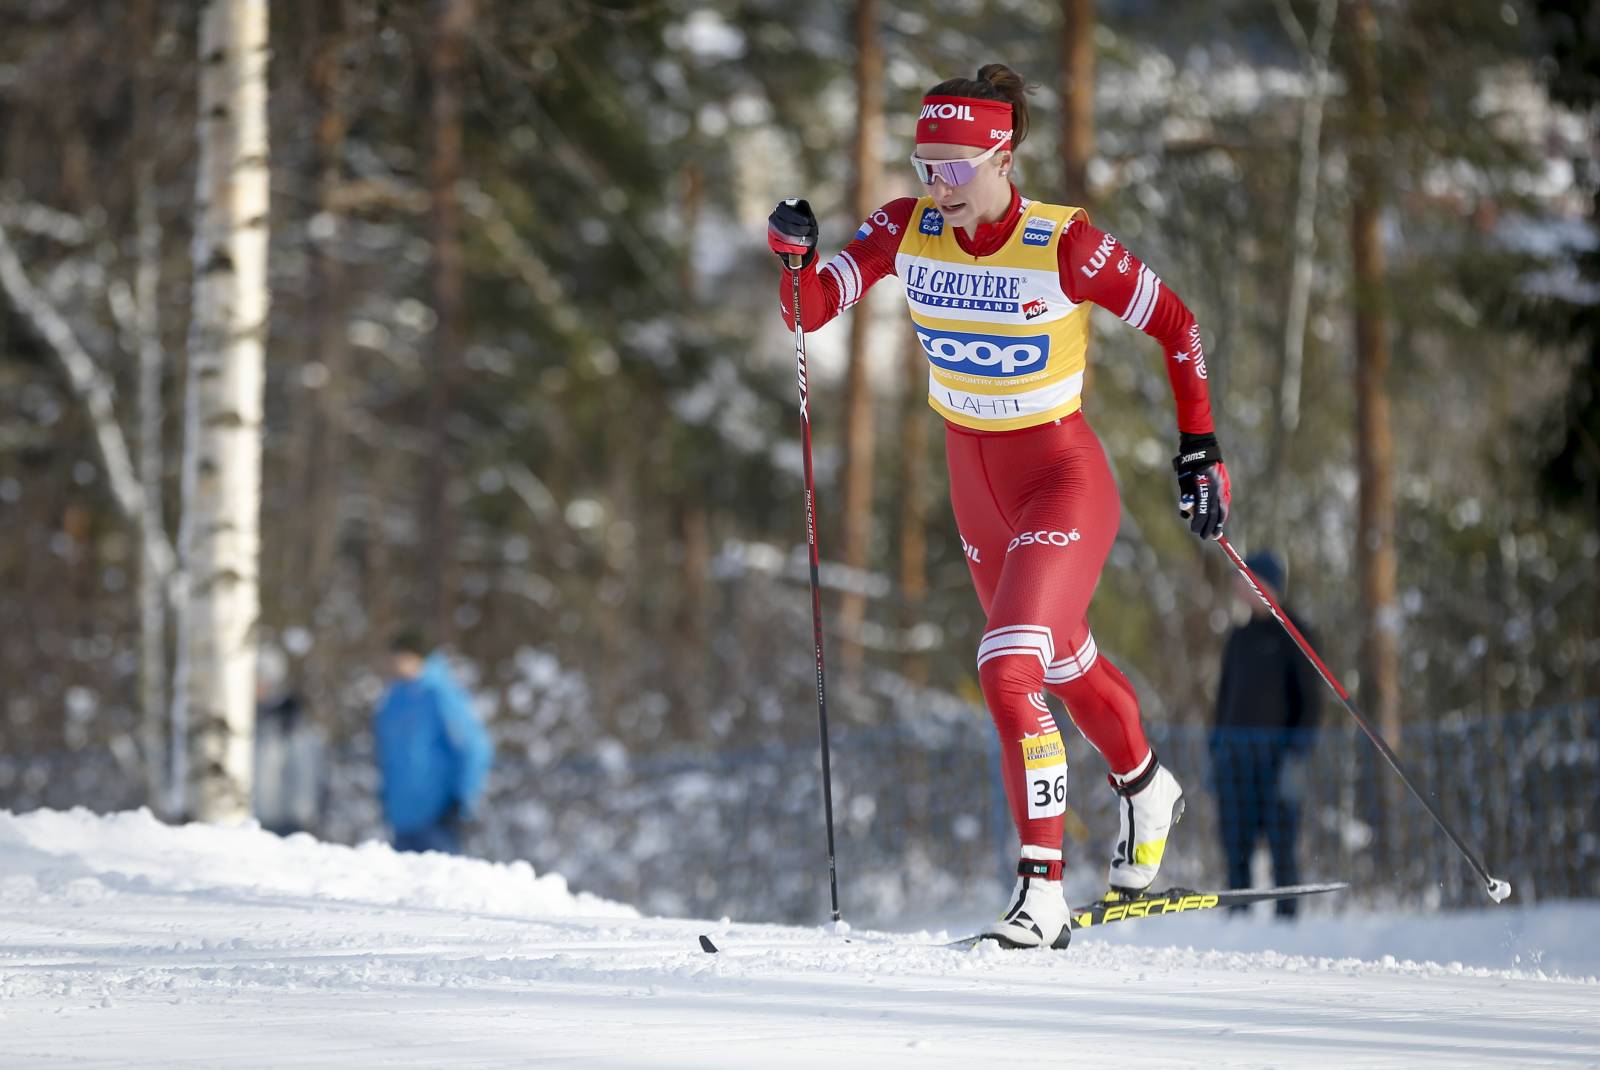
{"x":950,"y":172}
{"x":958,"y":172}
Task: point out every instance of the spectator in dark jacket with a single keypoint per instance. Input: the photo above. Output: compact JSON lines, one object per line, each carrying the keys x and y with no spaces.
{"x":433,"y":753}
{"x":1267,"y":708}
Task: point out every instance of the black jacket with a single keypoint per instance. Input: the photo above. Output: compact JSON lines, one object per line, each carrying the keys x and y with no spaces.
{"x":1267,"y":683}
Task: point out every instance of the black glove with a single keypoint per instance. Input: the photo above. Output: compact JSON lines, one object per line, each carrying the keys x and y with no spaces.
{"x":792,"y":230}
{"x":1203,"y":492}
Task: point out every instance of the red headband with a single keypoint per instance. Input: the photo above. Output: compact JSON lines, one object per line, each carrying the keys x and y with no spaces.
{"x":964,"y":121}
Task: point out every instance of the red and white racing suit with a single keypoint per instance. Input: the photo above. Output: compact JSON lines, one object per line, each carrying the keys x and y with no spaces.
{"x":1035,"y":503}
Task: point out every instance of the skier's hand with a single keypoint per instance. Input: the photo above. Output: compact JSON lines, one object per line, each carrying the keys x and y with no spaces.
{"x":792,"y":230}
{"x":1203,"y":492}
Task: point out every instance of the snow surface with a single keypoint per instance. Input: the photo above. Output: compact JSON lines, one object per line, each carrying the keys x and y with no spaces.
{"x":124,"y":942}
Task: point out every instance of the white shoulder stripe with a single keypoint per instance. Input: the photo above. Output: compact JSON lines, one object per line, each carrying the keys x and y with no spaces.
{"x":1141,"y":288}
{"x":1143,"y":304}
{"x":847,"y":272}
{"x":858,"y":290}
{"x":1150,"y":306}
{"x":831,"y":268}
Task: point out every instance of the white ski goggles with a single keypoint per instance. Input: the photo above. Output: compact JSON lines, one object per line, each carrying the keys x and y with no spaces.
{"x":952,"y":172}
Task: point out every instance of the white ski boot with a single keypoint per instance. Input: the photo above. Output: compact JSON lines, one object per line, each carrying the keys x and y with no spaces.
{"x":1038,"y":914}
{"x":1150,"y":803}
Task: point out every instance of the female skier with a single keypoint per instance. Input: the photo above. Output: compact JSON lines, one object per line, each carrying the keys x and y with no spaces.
{"x":1000,"y":289}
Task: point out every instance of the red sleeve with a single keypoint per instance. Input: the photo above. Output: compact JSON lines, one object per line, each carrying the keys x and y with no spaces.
{"x":1096,"y":267}
{"x":842,"y":281}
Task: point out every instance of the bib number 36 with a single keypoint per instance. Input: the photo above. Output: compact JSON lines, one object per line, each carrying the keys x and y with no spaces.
{"x":1047,"y":796}
{"x":1046,"y":762}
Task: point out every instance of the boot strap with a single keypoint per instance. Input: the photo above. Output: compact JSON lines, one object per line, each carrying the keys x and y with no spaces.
{"x":1140,"y":782}
{"x":1046,"y":869}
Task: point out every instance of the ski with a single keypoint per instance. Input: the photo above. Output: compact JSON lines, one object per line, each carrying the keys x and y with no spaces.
{"x":1106,"y":912}
{"x":711,"y":947}
{"x":1170,"y":901}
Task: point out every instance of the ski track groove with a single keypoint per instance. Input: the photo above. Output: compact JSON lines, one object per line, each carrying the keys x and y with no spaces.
{"x":100,"y":968}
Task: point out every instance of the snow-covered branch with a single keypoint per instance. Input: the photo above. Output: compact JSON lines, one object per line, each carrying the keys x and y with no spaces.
{"x":1315,"y":53}
{"x":92,"y":388}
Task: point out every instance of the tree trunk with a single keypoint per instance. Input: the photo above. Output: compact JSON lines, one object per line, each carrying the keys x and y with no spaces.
{"x":152,"y":526}
{"x":858,"y":442}
{"x":913,"y":485}
{"x":452,"y":20}
{"x":222,"y":455}
{"x":1375,"y":547}
{"x":323,"y":377}
{"x":1077,"y":99}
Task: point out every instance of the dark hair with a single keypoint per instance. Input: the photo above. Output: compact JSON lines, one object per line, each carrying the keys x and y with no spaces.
{"x":409,"y":641}
{"x":995,"y":81}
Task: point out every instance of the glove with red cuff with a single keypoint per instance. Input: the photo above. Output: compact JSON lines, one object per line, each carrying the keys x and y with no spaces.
{"x":792,"y":230}
{"x":1203,"y":492}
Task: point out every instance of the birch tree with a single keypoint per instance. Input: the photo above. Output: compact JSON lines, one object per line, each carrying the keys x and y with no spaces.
{"x":215,"y":682}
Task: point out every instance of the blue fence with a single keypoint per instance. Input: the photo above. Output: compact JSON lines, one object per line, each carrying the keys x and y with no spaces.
{"x":922,"y":826}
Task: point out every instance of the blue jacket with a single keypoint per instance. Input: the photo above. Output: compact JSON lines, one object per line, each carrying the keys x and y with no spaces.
{"x":432,"y":750}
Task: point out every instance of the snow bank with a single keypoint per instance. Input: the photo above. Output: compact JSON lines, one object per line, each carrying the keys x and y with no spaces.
{"x":85,"y":857}
{"x":128,"y":943}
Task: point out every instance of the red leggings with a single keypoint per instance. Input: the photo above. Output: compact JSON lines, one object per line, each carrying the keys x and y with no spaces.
{"x":1037,"y":510}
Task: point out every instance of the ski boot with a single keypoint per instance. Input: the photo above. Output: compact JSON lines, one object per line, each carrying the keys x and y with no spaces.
{"x":1038,"y":915}
{"x":1150,"y":803}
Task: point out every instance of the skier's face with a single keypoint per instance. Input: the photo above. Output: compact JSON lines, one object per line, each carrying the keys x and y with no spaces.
{"x":981,"y":199}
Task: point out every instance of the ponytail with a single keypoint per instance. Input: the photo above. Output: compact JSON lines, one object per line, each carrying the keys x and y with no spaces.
{"x":995,"y":81}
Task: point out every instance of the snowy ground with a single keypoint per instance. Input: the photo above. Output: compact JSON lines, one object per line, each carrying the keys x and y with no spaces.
{"x":127,"y":943}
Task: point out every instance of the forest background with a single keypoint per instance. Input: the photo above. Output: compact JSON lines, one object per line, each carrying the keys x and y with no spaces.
{"x":524,"y":383}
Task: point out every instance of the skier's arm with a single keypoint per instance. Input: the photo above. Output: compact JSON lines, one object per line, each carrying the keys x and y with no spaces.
{"x":1096,"y":267}
{"x":841,"y":282}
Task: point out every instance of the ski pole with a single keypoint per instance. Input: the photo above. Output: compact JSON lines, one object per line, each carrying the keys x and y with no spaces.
{"x":1497,"y":889}
{"x":794,"y":261}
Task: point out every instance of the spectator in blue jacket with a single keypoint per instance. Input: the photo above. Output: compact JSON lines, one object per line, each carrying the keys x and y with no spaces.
{"x":433,"y":753}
